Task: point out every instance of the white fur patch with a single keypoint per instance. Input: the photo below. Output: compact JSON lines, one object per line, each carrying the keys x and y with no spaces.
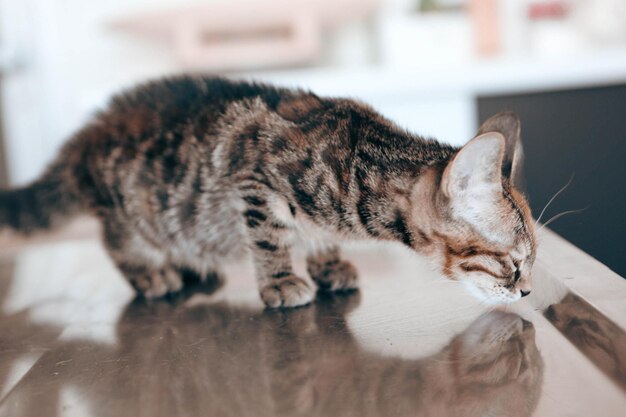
{"x":491,"y":296}
{"x":280,"y":209}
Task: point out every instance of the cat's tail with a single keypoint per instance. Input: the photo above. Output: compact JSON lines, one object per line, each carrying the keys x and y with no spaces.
{"x":42,"y":205}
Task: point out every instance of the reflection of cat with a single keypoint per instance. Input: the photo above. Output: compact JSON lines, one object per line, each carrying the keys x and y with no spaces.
{"x":601,"y":340}
{"x":492,"y":368}
{"x":221,"y":360}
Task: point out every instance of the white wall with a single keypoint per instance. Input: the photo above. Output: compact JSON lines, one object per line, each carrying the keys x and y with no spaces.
{"x":68,"y":59}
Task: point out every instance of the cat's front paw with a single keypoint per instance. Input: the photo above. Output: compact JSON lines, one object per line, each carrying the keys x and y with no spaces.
{"x":334,"y":275}
{"x":289,"y":291}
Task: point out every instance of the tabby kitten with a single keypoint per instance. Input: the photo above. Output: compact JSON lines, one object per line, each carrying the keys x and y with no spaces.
{"x":189,"y":172}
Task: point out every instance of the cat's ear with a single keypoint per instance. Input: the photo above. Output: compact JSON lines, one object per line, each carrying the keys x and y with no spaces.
{"x":476,"y":169}
{"x":508,"y":125}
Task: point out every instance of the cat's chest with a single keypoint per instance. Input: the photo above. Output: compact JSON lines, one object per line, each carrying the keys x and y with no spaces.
{"x":311,"y":237}
{"x":305,"y":233}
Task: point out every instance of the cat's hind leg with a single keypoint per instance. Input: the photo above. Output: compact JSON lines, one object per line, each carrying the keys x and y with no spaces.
{"x":206,"y":282}
{"x":152,"y":282}
{"x":330,"y":272}
{"x":143,"y":264}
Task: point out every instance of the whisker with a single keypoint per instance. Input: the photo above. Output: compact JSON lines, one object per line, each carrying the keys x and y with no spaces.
{"x":553,"y":197}
{"x":561,"y":215}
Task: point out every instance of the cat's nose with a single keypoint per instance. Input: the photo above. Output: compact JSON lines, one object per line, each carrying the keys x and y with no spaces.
{"x":524,"y":293}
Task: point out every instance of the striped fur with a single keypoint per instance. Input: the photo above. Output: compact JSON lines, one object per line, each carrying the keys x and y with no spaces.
{"x":188,"y":172}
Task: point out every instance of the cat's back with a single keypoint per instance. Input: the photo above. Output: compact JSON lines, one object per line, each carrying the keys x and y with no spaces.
{"x":180,"y":98}
{"x":170,"y":115}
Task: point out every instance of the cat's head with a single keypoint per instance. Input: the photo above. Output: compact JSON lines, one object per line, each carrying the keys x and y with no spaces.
{"x":485,"y":236}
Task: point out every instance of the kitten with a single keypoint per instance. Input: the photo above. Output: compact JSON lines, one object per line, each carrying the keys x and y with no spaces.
{"x":189,"y":172}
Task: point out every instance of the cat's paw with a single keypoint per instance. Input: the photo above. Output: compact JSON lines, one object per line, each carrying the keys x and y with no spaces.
{"x":335,"y":275}
{"x":157,"y":283}
{"x":289,"y":291}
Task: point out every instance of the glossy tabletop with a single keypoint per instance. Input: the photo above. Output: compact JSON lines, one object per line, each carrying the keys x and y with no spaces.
{"x":73,"y":342}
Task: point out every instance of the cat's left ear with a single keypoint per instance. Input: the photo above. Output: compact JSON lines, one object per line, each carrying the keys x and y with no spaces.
{"x":508,"y":125}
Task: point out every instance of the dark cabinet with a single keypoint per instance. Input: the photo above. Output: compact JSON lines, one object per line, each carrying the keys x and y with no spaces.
{"x":581,"y":133}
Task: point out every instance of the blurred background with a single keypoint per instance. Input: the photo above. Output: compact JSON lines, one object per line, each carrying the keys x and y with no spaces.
{"x":437,"y":67}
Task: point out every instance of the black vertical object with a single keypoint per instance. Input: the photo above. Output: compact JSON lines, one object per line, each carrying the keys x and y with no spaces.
{"x":3,"y":162}
{"x":581,"y":133}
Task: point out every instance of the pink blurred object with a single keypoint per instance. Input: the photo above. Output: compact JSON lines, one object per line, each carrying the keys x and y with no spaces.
{"x":247,"y":34}
{"x":486,"y":22}
{"x":548,"y":10}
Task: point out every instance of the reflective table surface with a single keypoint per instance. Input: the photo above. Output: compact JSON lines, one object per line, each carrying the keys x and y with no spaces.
{"x":74,"y":342}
